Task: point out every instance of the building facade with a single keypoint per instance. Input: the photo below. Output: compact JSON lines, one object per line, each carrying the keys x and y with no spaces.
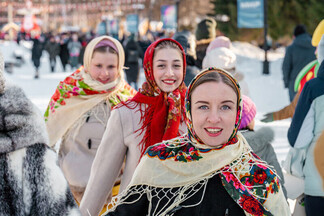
{"x":86,"y":14}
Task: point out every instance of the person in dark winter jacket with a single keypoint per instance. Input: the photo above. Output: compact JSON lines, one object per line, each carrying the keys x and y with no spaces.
{"x":37,"y":50}
{"x":307,"y":73}
{"x":145,"y":41}
{"x":298,"y":55}
{"x":305,"y":129}
{"x":187,"y":41}
{"x":53,"y":50}
{"x":260,"y":140}
{"x":31,"y":183}
{"x":205,"y":33}
{"x":64,"y":51}
{"x":133,"y":52}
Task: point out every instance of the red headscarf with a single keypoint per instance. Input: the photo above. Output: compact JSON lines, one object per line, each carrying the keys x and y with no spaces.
{"x":161,"y":118}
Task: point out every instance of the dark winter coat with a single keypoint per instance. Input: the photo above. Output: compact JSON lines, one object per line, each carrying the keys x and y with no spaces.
{"x":191,"y":72}
{"x":214,"y":201}
{"x":31,"y":183}
{"x":53,"y":49}
{"x":184,"y":38}
{"x":260,"y":142}
{"x":144,"y":44}
{"x":298,"y":54}
{"x":37,"y":51}
{"x":64,"y":51}
{"x":132,"y":54}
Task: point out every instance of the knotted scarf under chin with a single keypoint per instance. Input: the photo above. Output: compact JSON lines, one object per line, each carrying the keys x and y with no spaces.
{"x":161,"y":118}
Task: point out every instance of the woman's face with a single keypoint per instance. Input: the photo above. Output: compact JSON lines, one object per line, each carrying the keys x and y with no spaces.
{"x":213,"y":111}
{"x":168,"y":69}
{"x":104,"y":67}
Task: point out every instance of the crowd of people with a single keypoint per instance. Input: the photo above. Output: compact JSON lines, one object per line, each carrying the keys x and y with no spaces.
{"x":183,"y":143}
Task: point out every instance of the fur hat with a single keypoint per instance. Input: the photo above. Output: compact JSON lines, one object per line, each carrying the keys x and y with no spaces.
{"x":221,"y":58}
{"x":2,"y":79}
{"x":320,"y":50}
{"x":220,"y":41}
{"x":206,"y":29}
{"x":248,"y":112}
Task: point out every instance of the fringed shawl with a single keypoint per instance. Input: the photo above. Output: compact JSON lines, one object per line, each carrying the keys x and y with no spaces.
{"x":79,"y":93}
{"x":177,"y":169}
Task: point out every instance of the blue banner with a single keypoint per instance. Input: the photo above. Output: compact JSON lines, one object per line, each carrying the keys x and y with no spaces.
{"x":113,"y":26}
{"x":250,"y":14}
{"x":132,"y":23}
{"x":102,"y":28}
{"x":169,"y":16}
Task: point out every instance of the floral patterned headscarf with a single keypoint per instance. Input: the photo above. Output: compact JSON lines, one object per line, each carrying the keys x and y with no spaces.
{"x":191,"y":133}
{"x":178,"y":168}
{"x":79,"y":92}
{"x":161,"y":118}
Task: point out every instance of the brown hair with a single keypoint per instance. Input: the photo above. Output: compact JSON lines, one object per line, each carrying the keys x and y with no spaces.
{"x":167,"y":44}
{"x":214,"y":76}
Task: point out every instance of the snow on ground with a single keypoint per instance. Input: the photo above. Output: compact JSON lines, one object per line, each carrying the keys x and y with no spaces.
{"x":267,"y":91}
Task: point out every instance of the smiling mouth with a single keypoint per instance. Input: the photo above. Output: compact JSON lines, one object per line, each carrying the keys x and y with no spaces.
{"x":168,"y":82}
{"x":213,"y":131}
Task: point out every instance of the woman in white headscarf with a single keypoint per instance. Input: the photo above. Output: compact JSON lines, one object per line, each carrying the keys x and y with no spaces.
{"x":80,"y":108}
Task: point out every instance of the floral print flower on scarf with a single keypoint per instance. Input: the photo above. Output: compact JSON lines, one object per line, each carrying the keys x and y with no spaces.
{"x":182,"y":153}
{"x":247,"y":179}
{"x":74,"y":86}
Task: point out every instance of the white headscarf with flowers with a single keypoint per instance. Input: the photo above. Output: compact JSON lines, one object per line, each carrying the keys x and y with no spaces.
{"x":79,"y":93}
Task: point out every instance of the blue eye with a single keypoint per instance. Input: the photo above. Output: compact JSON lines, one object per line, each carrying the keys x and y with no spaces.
{"x":203,"y":107}
{"x":225,"y":107}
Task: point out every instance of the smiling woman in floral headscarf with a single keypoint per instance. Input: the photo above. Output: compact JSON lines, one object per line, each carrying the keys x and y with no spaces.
{"x":211,"y":170}
{"x":154,"y":114}
{"x":80,"y":108}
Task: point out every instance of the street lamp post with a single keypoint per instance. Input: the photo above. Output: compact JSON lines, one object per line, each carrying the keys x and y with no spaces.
{"x":265,"y":44}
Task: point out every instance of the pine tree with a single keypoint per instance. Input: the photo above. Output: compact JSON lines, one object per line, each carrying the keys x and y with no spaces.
{"x":283,"y":16}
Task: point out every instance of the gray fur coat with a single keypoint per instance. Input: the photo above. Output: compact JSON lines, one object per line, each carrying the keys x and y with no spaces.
{"x":260,"y":142}
{"x":31,"y":183}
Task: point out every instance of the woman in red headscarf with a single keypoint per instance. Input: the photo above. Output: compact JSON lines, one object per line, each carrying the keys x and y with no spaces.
{"x":156,"y":113}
